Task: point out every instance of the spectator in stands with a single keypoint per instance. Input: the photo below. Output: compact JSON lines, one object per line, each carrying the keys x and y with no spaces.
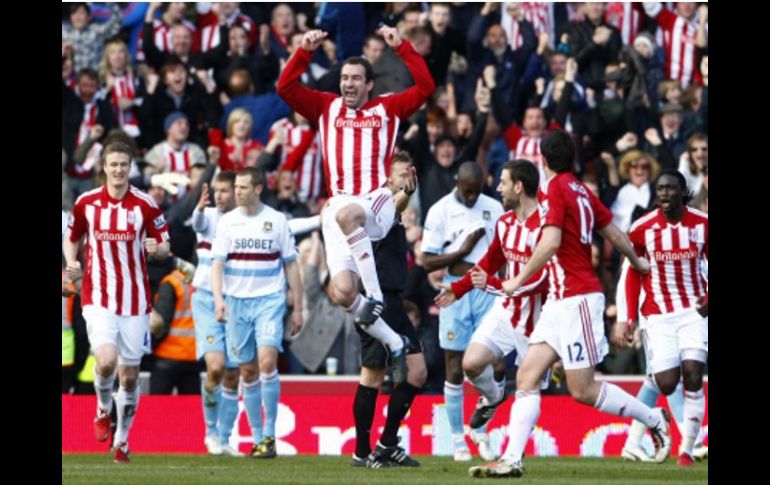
{"x":234,"y":148}
{"x":265,"y":109}
{"x":637,"y":170}
{"x":594,"y":44}
{"x":86,"y":39}
{"x":176,"y":153}
{"x":123,"y":89}
{"x":160,"y":40}
{"x":693,"y":161}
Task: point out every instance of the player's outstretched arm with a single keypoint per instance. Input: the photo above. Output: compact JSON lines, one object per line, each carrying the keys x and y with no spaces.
{"x":308,"y":102}
{"x":409,"y":101}
{"x":621,"y":242}
{"x":549,"y":243}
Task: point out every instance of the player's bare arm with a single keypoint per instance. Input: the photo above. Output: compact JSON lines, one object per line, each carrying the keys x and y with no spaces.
{"x":432,"y":262}
{"x":313,"y":39}
{"x":71,"y":249}
{"x":549,"y":243}
{"x":292,"y":275}
{"x":391,"y":36}
{"x":155,"y":250}
{"x":621,"y":242}
{"x":402,"y":195}
{"x":217,"y":277}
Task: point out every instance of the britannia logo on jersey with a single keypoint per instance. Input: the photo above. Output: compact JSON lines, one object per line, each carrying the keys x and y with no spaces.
{"x":268,"y":227}
{"x":487,"y":215}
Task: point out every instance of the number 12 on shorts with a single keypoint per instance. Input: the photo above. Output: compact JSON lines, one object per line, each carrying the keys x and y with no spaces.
{"x":578,"y":355}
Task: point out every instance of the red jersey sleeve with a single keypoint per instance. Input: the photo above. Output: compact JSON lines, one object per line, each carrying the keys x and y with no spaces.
{"x":406,"y":103}
{"x":305,"y":101}
{"x":491,"y":262}
{"x":156,"y":224}
{"x":77,"y":224}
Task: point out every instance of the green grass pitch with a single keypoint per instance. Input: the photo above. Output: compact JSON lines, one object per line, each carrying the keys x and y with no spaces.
{"x":192,"y":469}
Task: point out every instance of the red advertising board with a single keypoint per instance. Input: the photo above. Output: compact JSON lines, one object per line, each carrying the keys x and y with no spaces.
{"x":322,"y":423}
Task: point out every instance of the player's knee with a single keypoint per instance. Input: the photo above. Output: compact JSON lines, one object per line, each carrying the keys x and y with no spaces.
{"x":667,"y":385}
{"x":350,"y":218}
{"x":107,"y":369}
{"x":266,"y":364}
{"x":215,"y":373}
{"x":418,"y":373}
{"x":472,"y":367}
{"x":230,"y":379}
{"x":693,"y":381}
{"x":581,"y":394}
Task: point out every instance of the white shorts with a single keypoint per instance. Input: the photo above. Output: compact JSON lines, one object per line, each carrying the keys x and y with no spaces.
{"x":380,"y":214}
{"x":574,"y":327}
{"x":130,"y":334}
{"x":497,"y":333}
{"x":666,"y":336}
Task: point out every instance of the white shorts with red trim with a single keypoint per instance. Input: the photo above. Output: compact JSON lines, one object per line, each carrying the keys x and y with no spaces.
{"x":667,"y":336}
{"x":380,"y":216}
{"x":574,"y":327}
{"x":131,"y":334}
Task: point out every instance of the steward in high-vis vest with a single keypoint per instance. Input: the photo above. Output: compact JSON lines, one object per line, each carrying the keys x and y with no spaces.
{"x":172,"y":324}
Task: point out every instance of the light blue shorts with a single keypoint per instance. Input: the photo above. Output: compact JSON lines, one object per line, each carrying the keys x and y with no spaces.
{"x":210,"y":335}
{"x":458,"y":321}
{"x":254,"y":322}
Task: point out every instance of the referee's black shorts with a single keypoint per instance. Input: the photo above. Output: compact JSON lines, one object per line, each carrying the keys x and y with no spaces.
{"x":373,"y":353}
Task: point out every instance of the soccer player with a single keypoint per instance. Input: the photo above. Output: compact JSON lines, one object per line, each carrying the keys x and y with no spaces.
{"x":675,"y":306}
{"x":571,"y":326}
{"x":508,"y":325}
{"x":648,"y":391}
{"x":252,"y":250}
{"x":219,"y":391}
{"x":458,"y":229}
{"x":390,"y":256}
{"x":121,"y":224}
{"x":358,"y":136}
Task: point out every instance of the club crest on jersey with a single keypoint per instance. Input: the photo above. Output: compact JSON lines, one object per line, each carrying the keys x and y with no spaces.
{"x":268,"y":227}
{"x":487,"y":215}
{"x":696,"y":234}
{"x":159,"y":222}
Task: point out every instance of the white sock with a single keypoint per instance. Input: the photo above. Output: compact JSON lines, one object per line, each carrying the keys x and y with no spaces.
{"x":615,"y":400}
{"x":127,"y":403}
{"x":694,"y":409}
{"x":363,"y":255}
{"x":103,"y":386}
{"x":524,"y":414}
{"x":635,"y":434}
{"x":485,"y":383}
{"x":379,"y":330}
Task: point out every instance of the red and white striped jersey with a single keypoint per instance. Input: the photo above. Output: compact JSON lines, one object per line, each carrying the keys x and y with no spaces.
{"x":676,"y":252}
{"x":570,"y":206}
{"x":521,"y":145}
{"x":124,"y":88}
{"x":115,"y":276}
{"x":176,"y":160}
{"x":627,"y":17}
{"x":512,"y":246}
{"x":357,"y":143}
{"x":539,"y":14}
{"x":678,"y":42}
{"x":209,"y":29}
{"x":90,"y":111}
{"x":161,"y":33}
{"x":301,"y":154}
